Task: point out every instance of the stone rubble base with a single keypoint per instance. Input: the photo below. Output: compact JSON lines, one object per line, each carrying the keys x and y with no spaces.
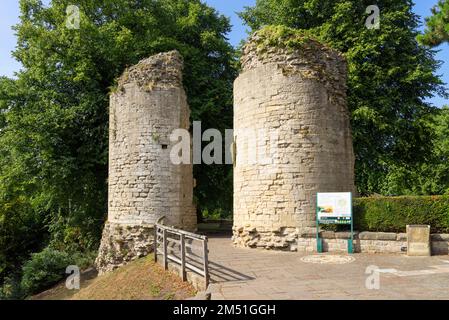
{"x":291,"y":239}
{"x":123,"y":243}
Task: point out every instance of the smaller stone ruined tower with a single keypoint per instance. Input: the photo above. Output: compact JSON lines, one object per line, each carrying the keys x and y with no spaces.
{"x":144,"y":185}
{"x":292,"y":136}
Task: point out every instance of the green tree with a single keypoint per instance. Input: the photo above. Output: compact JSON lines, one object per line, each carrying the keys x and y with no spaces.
{"x":390,"y":76}
{"x":437,"y":25}
{"x":430,"y":177}
{"x":438,"y":172}
{"x":54,"y":116}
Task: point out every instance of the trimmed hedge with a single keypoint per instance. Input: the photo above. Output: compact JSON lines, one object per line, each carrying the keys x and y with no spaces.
{"x":392,"y":214}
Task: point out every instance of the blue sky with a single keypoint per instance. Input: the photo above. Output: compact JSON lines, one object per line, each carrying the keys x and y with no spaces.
{"x":10,"y":12}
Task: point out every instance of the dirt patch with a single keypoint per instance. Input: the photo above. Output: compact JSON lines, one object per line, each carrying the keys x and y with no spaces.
{"x":142,"y":279}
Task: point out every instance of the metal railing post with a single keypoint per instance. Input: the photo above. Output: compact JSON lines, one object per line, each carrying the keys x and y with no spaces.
{"x":155,"y":243}
{"x":205,"y":264}
{"x":183,"y":258}
{"x":164,"y":235}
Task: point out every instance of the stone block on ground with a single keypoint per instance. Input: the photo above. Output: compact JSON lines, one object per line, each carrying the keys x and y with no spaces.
{"x":418,"y":240}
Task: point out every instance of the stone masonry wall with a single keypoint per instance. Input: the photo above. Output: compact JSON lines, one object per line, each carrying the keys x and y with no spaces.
{"x":144,"y":185}
{"x":300,"y":97}
{"x":368,"y":242}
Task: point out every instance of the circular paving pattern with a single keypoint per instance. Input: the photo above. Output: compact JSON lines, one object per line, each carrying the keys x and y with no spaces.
{"x":328,"y":259}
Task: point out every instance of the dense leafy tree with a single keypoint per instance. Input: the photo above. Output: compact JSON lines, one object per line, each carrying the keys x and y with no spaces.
{"x":390,"y":76}
{"x":432,"y":176}
{"x":437,"y":25}
{"x":54,"y":116}
{"x":439,"y":171}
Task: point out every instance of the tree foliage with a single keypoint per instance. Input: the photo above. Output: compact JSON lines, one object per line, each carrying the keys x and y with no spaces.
{"x":430,"y":177}
{"x":43,"y":270}
{"x":54,"y":116}
{"x":390,"y":77}
{"x":437,"y":25}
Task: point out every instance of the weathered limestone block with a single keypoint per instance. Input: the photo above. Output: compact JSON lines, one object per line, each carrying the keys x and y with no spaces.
{"x":440,"y":244}
{"x":280,"y":239}
{"x":378,"y":236}
{"x":121,"y":244}
{"x":293,"y":139}
{"x":401,"y":237}
{"x":370,"y":242}
{"x":144,"y":185}
{"x":439,"y":237}
{"x":418,"y":240}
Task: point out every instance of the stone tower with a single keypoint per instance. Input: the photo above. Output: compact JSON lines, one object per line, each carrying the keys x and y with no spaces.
{"x":290,"y":106}
{"x":144,"y":185}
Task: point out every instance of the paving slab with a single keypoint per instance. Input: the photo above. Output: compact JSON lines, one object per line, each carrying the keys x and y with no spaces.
{"x":250,"y":274}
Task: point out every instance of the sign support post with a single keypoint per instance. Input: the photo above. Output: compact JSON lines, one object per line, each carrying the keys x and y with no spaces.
{"x":351,"y":240}
{"x":319,"y":242}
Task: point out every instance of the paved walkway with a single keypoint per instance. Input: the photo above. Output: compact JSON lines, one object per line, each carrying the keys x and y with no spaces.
{"x":247,"y":274}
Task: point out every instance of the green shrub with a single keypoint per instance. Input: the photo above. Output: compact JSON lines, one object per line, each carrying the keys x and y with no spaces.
{"x":216,"y":214}
{"x":11,"y":289}
{"x":392,"y":214}
{"x":44,"y":269}
{"x":84,"y":260}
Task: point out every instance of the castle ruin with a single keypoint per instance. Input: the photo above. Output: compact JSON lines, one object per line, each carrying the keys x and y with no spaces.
{"x":291,"y":87}
{"x":295,"y":88}
{"x":144,"y":185}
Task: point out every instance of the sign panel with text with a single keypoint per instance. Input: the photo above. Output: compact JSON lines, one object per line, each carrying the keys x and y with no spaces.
{"x":334,"y":208}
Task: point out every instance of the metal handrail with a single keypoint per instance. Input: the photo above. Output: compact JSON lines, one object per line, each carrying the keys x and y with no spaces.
{"x":164,"y":232}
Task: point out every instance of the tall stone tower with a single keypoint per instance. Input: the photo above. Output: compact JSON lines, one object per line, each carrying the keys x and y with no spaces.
{"x":292,"y":136}
{"x":144,"y":185}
